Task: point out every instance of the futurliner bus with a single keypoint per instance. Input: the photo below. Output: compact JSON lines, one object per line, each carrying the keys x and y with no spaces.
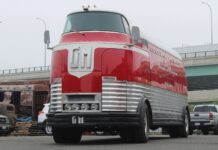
{"x":107,"y":76}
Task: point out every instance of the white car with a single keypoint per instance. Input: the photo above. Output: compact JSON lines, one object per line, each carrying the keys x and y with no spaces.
{"x":42,"y":119}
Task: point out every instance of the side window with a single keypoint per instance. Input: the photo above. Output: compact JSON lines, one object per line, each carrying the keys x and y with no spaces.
{"x":126,"y":26}
{"x":68,"y":26}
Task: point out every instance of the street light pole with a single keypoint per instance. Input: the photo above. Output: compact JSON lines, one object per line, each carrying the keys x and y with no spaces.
{"x":45,"y":48}
{"x":211,"y":16}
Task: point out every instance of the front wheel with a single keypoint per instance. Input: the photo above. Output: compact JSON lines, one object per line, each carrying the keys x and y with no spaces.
{"x":138,"y":134}
{"x":181,"y":131}
{"x":141,"y":134}
{"x":66,"y":135}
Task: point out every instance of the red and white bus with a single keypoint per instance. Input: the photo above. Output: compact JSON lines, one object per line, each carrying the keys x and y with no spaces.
{"x":106,"y":76}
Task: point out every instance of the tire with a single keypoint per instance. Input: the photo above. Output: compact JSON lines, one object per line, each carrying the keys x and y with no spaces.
{"x":173,"y":134}
{"x":126,"y":135}
{"x":191,"y":131}
{"x":138,"y":134}
{"x":181,"y":131}
{"x":216,"y":130}
{"x":184,"y":130}
{"x":48,"y":130}
{"x":66,"y":135}
{"x":141,"y":134}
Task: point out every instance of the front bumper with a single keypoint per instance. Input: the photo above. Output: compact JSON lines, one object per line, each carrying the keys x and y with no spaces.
{"x":94,"y":120}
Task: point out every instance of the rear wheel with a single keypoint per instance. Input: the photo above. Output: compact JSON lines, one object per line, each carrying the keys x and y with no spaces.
{"x":66,"y":135}
{"x":181,"y":131}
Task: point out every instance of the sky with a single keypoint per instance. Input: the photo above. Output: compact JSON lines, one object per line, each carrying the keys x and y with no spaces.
{"x":175,"y":23}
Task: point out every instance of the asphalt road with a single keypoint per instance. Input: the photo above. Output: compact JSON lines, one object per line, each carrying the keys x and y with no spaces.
{"x":195,"y":142}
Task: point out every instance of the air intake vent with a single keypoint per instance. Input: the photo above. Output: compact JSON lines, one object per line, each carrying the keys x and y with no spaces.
{"x":56,"y":97}
{"x":113,"y":95}
{"x":122,"y":95}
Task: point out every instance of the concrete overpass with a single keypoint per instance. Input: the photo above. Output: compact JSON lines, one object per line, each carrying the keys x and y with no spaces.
{"x":24,"y":74}
{"x":201,"y":64}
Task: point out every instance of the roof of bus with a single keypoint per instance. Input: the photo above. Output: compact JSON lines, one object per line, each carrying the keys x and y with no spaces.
{"x":96,"y":10}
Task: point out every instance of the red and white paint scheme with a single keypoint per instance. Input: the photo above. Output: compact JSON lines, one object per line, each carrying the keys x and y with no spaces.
{"x":106,"y":76}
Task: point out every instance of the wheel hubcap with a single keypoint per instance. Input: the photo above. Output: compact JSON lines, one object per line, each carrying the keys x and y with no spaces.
{"x":146,"y":124}
{"x":186,"y":124}
{"x":48,"y":129}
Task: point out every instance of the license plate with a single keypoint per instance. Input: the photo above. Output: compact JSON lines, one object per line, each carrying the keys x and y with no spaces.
{"x":197,"y":124}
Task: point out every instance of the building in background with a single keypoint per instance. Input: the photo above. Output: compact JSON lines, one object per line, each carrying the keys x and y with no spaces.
{"x":28,"y":97}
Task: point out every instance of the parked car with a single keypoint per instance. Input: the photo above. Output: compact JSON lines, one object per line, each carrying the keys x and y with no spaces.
{"x":42,"y":119}
{"x":7,"y":118}
{"x":205,"y":118}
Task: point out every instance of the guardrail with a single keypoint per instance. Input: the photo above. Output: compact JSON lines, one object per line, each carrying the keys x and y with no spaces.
{"x":24,"y":70}
{"x":199,"y":54}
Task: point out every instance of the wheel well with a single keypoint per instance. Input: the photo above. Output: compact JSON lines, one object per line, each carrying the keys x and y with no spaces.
{"x":150,"y":111}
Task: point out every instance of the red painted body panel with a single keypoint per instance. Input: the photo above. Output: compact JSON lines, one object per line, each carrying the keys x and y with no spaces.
{"x":160,"y":69}
{"x":95,"y":37}
{"x":59,"y":63}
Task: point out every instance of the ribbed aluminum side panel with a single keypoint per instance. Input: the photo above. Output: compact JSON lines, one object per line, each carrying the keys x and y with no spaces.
{"x":135,"y":92}
{"x":114,"y":95}
{"x":166,"y":104}
{"x":56,"y":97}
{"x":122,"y":95}
{"x":125,"y":96}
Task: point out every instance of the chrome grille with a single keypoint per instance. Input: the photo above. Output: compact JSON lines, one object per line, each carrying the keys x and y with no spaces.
{"x":122,"y":95}
{"x":113,"y":95}
{"x":56,"y":97}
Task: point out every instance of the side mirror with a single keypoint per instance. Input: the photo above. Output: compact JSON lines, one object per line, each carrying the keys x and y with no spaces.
{"x":47,"y":38}
{"x":136,"y":34}
{"x":137,"y":37}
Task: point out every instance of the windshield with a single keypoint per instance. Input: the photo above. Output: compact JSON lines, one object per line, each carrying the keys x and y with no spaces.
{"x":95,"y":21}
{"x":205,"y":109}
